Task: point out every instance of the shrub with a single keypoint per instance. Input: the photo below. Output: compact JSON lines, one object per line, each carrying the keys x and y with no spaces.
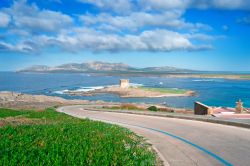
{"x":129,"y":107}
{"x":166,"y":110}
{"x":153,"y":108}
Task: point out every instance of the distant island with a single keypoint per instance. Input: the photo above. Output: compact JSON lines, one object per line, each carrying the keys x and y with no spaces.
{"x":121,"y":69}
{"x":102,"y":67}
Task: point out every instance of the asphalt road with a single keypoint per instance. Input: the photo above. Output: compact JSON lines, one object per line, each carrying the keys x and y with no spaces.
{"x":181,"y":142}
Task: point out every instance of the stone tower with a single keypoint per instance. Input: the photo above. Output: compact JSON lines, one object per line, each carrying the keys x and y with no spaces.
{"x":124,"y":83}
{"x":239,"y":107}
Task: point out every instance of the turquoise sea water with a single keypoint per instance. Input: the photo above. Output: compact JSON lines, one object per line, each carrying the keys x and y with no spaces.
{"x":217,"y":92}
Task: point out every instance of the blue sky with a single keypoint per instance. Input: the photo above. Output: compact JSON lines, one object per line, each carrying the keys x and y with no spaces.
{"x":194,"y":34}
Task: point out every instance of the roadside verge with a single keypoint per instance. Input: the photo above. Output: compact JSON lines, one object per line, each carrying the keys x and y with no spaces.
{"x":231,"y":122}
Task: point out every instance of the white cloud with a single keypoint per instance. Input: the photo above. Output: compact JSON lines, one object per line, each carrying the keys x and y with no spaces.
{"x":32,"y":19}
{"x":36,"y":29}
{"x":199,"y":36}
{"x":200,"y":4}
{"x":163,"y":40}
{"x":231,"y":4}
{"x":163,"y":4}
{"x":4,"y":20}
{"x":96,"y":41}
{"x":22,"y":47}
{"x":138,"y":20}
{"x":118,"y":6}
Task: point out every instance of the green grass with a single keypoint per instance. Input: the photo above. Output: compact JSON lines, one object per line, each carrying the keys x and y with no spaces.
{"x":164,"y":90}
{"x":10,"y":112}
{"x":245,"y":76}
{"x":64,"y":140}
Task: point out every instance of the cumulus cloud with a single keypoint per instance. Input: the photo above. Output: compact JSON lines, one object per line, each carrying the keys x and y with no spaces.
{"x":32,"y":19}
{"x":121,"y":25}
{"x":127,"y":5}
{"x":118,"y":6}
{"x":23,"y":47}
{"x":137,"y":20}
{"x":163,"y":4}
{"x":199,"y":4}
{"x":5,"y":19}
{"x":230,"y":4}
{"x":96,"y":41}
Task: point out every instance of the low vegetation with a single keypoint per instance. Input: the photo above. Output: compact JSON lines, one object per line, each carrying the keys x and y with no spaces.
{"x":164,"y":90}
{"x":245,"y":76}
{"x":134,"y":107}
{"x":58,"y":139}
{"x":124,"y":107}
{"x":153,"y":108}
{"x":10,"y":113}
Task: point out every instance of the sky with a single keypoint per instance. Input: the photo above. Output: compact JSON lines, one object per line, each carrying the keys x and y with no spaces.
{"x":211,"y":35}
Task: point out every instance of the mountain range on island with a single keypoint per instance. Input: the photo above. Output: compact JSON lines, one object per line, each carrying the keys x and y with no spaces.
{"x":103,"y":67}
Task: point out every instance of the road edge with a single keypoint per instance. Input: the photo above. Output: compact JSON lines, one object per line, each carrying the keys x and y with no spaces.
{"x":198,"y":118}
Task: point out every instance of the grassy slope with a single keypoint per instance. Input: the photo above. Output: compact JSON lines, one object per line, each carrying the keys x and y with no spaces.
{"x":164,"y":90}
{"x":64,"y":140}
{"x":8,"y":112}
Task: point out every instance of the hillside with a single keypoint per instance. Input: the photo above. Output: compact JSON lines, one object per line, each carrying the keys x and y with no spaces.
{"x":103,"y":67}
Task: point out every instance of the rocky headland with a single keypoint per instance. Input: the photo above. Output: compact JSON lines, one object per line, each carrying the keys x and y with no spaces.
{"x":26,"y":101}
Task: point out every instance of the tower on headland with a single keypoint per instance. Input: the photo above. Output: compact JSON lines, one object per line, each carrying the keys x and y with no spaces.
{"x":239,"y":107}
{"x":124,"y":83}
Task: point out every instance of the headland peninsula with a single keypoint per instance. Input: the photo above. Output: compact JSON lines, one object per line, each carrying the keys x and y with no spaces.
{"x":136,"y":92}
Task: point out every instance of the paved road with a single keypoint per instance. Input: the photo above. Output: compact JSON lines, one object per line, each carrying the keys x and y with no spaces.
{"x":181,"y":142}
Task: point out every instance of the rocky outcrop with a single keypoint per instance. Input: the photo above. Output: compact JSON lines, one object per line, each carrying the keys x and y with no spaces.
{"x":25,"y":101}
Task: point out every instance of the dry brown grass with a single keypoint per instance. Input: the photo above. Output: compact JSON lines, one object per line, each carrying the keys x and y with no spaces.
{"x":125,"y":106}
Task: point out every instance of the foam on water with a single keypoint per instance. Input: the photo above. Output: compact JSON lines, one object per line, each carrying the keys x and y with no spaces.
{"x":88,"y":88}
{"x":81,"y":89}
{"x":91,"y":88}
{"x":206,"y":80}
{"x":61,"y":92}
{"x":135,"y":84}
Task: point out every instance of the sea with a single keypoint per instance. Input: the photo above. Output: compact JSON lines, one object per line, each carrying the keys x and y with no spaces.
{"x":213,"y":92}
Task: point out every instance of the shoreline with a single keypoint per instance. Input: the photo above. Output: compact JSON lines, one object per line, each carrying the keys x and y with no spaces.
{"x":136,"y":92}
{"x":40,"y":102}
{"x":230,"y":76}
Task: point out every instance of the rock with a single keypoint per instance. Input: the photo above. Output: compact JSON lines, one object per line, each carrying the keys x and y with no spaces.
{"x":25,"y":101}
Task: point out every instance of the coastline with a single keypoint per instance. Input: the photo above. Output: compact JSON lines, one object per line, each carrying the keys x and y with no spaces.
{"x":40,"y":102}
{"x":212,"y":75}
{"x":181,"y":75}
{"x":136,"y":92}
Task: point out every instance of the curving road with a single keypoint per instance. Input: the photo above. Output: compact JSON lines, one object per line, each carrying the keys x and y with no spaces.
{"x":181,"y":142}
